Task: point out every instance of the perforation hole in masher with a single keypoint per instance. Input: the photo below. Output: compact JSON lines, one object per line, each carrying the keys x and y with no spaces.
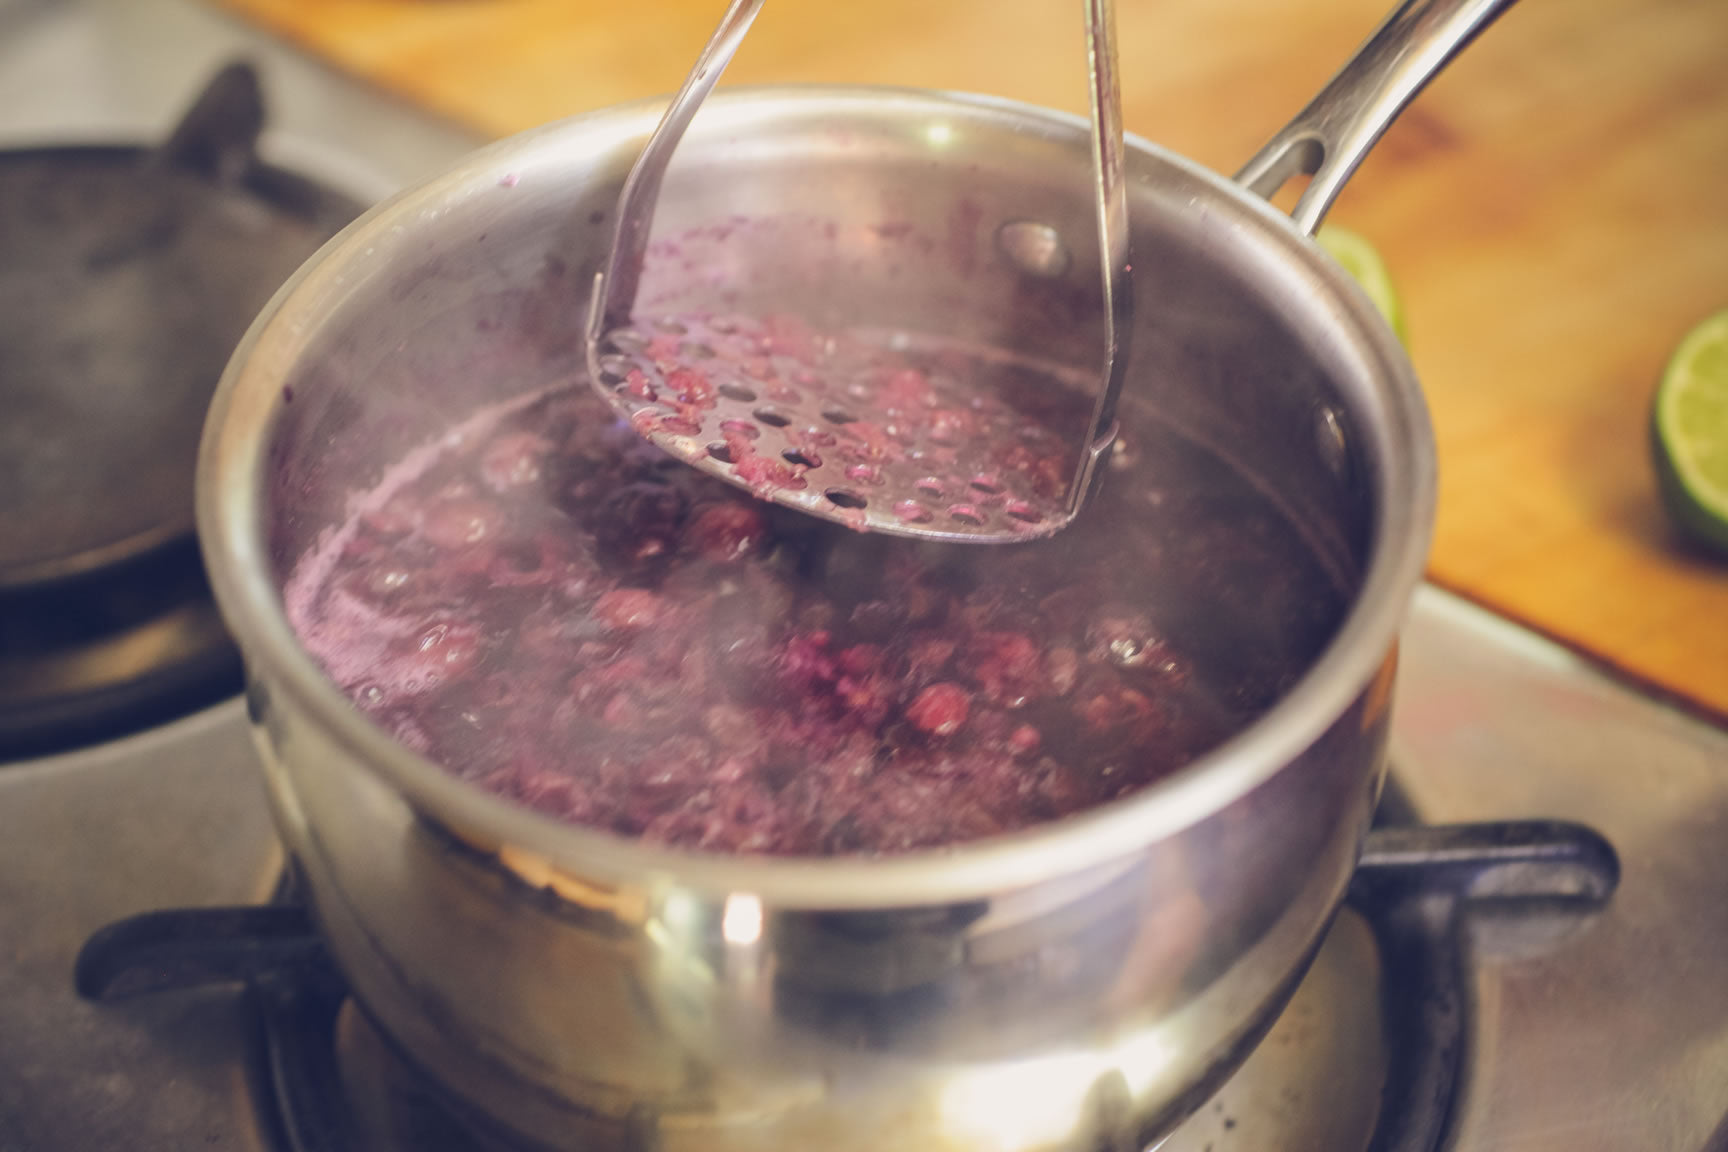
{"x":912,"y":512}
{"x":864,"y":473}
{"x":966,"y":514}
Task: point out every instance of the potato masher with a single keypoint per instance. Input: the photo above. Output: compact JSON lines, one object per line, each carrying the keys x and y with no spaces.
{"x":838,"y":425}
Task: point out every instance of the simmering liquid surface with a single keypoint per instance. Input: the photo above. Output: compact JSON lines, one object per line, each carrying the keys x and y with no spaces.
{"x":560,"y":613}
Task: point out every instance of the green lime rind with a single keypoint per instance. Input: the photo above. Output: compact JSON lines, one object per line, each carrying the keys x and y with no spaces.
{"x":1363,"y":262}
{"x":1689,"y":434}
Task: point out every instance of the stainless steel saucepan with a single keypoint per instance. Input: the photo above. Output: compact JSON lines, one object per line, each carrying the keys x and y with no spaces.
{"x":1076,"y":986}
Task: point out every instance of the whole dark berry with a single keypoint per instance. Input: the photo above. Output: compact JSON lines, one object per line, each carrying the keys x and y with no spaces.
{"x":940,"y":709}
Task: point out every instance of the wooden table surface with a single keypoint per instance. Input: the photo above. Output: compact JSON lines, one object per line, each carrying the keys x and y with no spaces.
{"x":1554,"y":210}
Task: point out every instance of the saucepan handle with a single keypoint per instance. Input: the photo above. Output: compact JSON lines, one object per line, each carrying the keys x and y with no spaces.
{"x":217,"y":138}
{"x":1329,"y":138}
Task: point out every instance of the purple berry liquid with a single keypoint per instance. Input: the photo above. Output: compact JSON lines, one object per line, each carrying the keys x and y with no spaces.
{"x":559,"y":613}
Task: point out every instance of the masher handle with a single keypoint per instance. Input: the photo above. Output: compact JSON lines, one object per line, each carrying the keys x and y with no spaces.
{"x":615,"y":287}
{"x":1110,"y":193}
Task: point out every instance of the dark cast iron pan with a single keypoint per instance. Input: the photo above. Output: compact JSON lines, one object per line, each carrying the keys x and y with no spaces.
{"x":127,"y":275}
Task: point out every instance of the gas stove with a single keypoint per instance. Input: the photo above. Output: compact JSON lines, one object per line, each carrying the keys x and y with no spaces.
{"x":1477,"y":994}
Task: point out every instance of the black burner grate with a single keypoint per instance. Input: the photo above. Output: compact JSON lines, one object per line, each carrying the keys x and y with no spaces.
{"x":1417,"y":886}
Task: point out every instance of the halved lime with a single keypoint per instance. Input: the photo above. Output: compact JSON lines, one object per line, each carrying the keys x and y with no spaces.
{"x":1689,"y":433}
{"x":1359,"y":258}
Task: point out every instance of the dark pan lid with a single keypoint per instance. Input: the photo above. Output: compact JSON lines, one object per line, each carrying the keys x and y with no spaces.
{"x":127,"y":276}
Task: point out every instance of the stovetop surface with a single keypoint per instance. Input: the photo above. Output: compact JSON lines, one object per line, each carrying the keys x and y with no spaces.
{"x":1611,"y":1036}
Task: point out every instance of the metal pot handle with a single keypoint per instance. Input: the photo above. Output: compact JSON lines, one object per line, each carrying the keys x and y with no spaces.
{"x":217,"y":138}
{"x":1329,"y":137}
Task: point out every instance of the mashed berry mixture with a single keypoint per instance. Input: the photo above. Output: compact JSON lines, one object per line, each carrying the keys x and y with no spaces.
{"x":562,"y":614}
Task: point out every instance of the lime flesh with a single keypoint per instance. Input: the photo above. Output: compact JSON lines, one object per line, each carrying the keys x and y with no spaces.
{"x":1689,"y":432}
{"x":1358,"y":257}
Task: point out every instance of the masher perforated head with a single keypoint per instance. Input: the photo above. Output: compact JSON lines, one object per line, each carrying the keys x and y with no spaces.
{"x":885,"y":433}
{"x":876,"y":431}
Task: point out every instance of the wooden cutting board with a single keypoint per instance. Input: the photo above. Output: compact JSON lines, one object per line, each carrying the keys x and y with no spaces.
{"x":1554,"y":209}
